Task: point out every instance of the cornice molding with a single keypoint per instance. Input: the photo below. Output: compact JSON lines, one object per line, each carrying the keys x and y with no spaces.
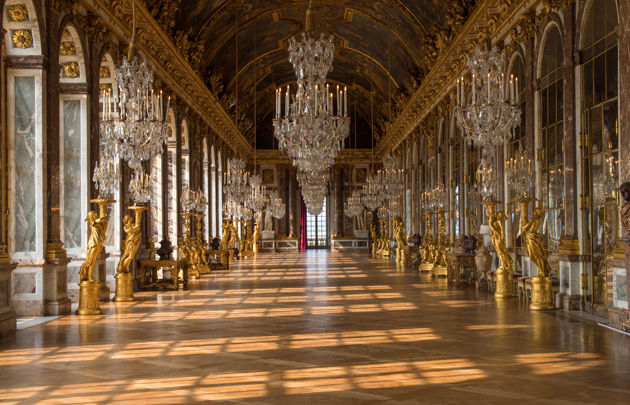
{"x":345,"y":157}
{"x":449,"y":65}
{"x":171,"y":67}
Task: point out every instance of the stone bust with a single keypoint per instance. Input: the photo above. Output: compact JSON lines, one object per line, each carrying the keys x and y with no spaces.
{"x":624,"y":191}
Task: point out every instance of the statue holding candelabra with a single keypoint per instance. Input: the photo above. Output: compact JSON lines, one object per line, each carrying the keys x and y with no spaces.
{"x":401,"y":240}
{"x":193,"y":205}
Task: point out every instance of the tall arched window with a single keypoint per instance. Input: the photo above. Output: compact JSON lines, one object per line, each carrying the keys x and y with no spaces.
{"x":26,"y":146}
{"x":456,"y":179}
{"x":206,"y":189}
{"x":552,"y":134}
{"x":185,"y":169}
{"x":171,"y":153}
{"x":600,"y":151}
{"x":220,"y":189}
{"x":213,"y":193}
{"x":73,"y":148}
{"x":157,"y":208}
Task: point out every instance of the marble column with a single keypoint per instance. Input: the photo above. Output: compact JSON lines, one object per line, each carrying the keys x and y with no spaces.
{"x":292,"y":202}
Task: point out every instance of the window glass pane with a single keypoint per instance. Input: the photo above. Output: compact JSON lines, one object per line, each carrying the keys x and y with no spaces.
{"x":596,"y":130}
{"x":600,"y":79}
{"x":599,"y":23}
{"x":611,"y":15}
{"x":610,"y":125}
{"x":612,"y":74}
{"x":588,"y":85}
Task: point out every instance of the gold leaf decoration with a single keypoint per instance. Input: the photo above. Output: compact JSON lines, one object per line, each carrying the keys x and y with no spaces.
{"x":22,"y":39}
{"x":67,"y":48}
{"x":105,"y":73}
{"x":66,"y":34}
{"x":17,"y":13}
{"x":71,"y":70}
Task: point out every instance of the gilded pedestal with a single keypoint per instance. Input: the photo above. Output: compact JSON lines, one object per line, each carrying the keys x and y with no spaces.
{"x":88,"y":298}
{"x":124,"y":287}
{"x":542,"y":297}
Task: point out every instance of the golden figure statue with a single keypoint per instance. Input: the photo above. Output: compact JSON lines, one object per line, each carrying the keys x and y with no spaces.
{"x":374,"y":237}
{"x":504,"y":273}
{"x":440,"y":247}
{"x":256,"y":237}
{"x":383,"y":247}
{"x":401,"y":240}
{"x":533,"y":237}
{"x":429,"y":246}
{"x":98,"y":228}
{"x":225,"y":237}
{"x":132,"y":243}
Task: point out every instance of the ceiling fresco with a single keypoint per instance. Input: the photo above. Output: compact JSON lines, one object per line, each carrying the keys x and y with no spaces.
{"x":364,"y":31}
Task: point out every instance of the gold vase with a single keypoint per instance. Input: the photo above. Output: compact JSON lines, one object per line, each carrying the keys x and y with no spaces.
{"x":542,"y":296}
{"x":88,"y":298}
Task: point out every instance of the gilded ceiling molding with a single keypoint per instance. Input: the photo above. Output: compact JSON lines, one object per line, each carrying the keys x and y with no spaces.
{"x":450,"y":61}
{"x":169,"y":64}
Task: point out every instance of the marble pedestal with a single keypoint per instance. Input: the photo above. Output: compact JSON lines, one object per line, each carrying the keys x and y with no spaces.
{"x":7,"y":314}
{"x":56,"y":301}
{"x":360,"y":234}
{"x":570,"y":272}
{"x":267,"y":235}
{"x":27,"y":290}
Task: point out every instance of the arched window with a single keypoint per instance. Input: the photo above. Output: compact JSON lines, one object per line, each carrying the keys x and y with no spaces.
{"x":212,"y":195}
{"x":185,"y":169}
{"x":456,"y":179}
{"x":171,"y":153}
{"x":552,"y":134}
{"x":26,"y":146}
{"x":74,"y":145}
{"x":220,"y":190}
{"x":206,"y":189}
{"x":600,"y":151}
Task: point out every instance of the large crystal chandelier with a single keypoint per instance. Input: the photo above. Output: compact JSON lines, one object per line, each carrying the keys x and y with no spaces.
{"x":236,"y":181}
{"x":276,"y":205}
{"x":193,"y":201}
{"x":315,"y":121}
{"x":491,"y":113}
{"x":385,"y":186}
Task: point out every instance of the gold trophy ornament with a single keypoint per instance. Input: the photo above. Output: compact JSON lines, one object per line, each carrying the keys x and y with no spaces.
{"x":542,"y":297}
{"x":88,"y":287}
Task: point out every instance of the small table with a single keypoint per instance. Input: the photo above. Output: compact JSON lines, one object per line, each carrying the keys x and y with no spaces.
{"x":149,"y":274}
{"x":225,"y":257}
{"x":457,"y":264}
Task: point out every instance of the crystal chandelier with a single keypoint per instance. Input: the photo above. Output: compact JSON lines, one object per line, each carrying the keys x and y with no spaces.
{"x":276,"y":206}
{"x":492,"y":112}
{"x":486,"y":179}
{"x":236,"y":181}
{"x":256,"y":198}
{"x":106,"y":177}
{"x":372,"y":197}
{"x":354,"y":204}
{"x":193,"y":201}
{"x":133,"y":125}
{"x":315,"y":121}
{"x":384,"y":186}
{"x":520,"y":175}
{"x":140,"y":187}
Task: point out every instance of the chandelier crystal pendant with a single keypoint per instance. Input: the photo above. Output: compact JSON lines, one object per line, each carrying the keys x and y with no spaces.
{"x":140,"y":187}
{"x":256,"y":198}
{"x":492,"y":111}
{"x":354,"y":204}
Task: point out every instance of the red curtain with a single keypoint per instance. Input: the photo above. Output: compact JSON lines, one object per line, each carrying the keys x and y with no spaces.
{"x":302,"y":224}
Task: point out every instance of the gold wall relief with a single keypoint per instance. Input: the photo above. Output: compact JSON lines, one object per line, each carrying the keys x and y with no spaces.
{"x":67,"y":48}
{"x":104,"y":72}
{"x":17,"y":13}
{"x":71,"y":70}
{"x":22,"y":38}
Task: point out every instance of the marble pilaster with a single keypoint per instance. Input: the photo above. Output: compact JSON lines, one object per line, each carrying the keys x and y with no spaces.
{"x":7,"y":314}
{"x":56,"y":301}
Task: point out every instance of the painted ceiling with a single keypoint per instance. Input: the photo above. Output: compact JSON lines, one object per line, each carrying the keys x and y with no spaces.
{"x":378,"y":46}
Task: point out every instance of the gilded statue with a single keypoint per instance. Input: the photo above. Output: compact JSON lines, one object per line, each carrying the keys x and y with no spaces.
{"x":98,"y":228}
{"x":132,"y":243}
{"x":399,"y":233}
{"x":233,"y":236}
{"x":225,"y":237}
{"x":533,"y":238}
{"x":256,"y":237}
{"x":624,"y":212}
{"x":497,"y":234}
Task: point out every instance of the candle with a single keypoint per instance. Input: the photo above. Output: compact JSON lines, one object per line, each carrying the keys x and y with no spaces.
{"x":472,"y":84}
{"x":516,"y":95}
{"x":488,"y":85}
{"x":286,"y":101}
{"x":458,"y":93}
{"x":345,"y":101}
{"x":316,"y":99}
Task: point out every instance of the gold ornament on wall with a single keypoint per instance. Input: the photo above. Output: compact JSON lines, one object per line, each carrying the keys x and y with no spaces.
{"x":22,"y":39}
{"x":17,"y":13}
{"x":105,"y":73}
{"x":67,"y":48}
{"x":71,"y":70}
